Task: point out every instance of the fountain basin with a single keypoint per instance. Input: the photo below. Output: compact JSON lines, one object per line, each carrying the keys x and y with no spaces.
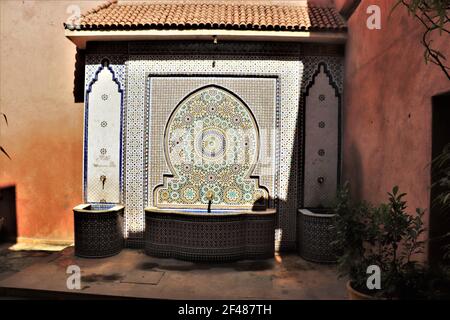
{"x":315,"y":235}
{"x":98,"y":230}
{"x":219,"y":235}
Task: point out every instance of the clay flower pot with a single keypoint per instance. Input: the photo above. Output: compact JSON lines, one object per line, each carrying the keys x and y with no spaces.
{"x":356,"y":295}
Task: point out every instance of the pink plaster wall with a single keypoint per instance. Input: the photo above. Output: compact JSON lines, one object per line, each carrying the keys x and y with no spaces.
{"x":387,"y":106}
{"x":339,"y":4}
{"x":44,"y":135}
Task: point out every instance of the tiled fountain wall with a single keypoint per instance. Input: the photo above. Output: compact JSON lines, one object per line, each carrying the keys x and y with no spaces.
{"x":293,"y":91}
{"x":213,"y":141}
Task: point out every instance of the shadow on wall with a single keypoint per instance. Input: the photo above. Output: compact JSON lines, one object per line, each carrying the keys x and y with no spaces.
{"x":8,"y":221}
{"x":79,"y":72}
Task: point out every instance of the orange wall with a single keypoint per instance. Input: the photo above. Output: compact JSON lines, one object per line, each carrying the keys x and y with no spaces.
{"x":44,"y":136}
{"x":387,"y":106}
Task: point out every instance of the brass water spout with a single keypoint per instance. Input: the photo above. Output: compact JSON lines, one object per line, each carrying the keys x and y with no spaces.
{"x":103,"y":180}
{"x":210,"y":197}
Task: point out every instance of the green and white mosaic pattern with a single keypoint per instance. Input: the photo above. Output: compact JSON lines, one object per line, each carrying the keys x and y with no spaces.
{"x":211,"y":147}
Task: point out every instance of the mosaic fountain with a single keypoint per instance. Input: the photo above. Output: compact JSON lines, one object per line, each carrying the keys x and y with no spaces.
{"x":208,"y":155}
{"x":211,"y":207}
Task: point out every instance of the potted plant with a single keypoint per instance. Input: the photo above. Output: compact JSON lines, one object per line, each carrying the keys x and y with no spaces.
{"x":386,"y":237}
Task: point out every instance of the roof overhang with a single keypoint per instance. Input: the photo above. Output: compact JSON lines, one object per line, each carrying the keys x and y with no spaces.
{"x":81,"y":37}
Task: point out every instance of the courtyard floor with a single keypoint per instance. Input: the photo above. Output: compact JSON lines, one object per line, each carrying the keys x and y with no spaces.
{"x":132,"y":274}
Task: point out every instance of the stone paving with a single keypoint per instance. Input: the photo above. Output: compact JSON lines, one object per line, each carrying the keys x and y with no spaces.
{"x":132,"y":274}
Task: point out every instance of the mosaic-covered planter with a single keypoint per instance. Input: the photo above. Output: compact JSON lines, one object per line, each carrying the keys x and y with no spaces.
{"x":98,"y":230}
{"x":314,"y":236}
{"x":216,"y":236}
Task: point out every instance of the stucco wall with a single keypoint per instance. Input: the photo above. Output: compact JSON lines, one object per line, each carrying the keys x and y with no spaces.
{"x":387,"y":106}
{"x":44,"y":136}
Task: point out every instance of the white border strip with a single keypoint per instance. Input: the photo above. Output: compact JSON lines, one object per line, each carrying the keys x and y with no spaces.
{"x":81,"y":37}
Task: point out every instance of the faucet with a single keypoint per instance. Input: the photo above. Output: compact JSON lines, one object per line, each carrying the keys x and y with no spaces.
{"x":103,"y":180}
{"x":209,"y":196}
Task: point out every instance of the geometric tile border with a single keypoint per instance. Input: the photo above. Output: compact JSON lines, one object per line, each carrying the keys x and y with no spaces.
{"x":133,"y":62}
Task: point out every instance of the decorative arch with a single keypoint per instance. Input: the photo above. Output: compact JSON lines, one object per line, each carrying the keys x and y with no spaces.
{"x":103,"y":137}
{"x":321,"y":138}
{"x":211,"y":146}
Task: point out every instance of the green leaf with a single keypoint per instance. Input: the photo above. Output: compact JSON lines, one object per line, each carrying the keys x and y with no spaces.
{"x":395,"y":190}
{"x":447,"y":196}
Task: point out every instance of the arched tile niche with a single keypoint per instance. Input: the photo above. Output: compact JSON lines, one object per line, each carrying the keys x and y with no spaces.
{"x":321,"y":140}
{"x":102,"y":159}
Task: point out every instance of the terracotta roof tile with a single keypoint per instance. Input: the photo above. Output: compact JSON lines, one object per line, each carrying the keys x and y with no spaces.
{"x":150,"y":15}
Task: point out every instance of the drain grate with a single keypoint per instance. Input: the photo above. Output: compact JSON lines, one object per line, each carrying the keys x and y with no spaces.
{"x":143,"y":277}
